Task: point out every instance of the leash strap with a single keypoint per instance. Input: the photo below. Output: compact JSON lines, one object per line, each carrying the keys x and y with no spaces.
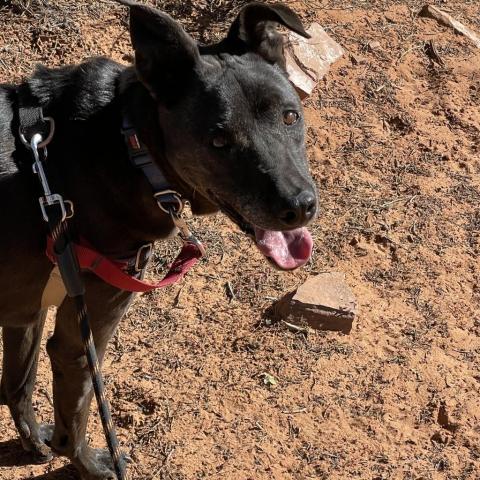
{"x":113,"y":272}
{"x":35,"y":133}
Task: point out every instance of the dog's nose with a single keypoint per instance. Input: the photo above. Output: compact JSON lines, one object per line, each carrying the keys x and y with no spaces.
{"x":302,"y":209}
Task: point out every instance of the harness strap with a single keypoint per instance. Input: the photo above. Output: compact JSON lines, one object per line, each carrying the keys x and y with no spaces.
{"x":140,"y":158}
{"x":31,"y":120}
{"x":114,"y":274}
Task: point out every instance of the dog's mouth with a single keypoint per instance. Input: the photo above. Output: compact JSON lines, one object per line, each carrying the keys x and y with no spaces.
{"x":286,"y":249}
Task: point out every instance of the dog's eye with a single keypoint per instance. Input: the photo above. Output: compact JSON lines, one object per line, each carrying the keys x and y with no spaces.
{"x":290,"y":117}
{"x":219,"y":141}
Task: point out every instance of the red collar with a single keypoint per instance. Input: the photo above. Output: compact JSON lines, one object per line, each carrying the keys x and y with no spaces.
{"x":115,"y":272}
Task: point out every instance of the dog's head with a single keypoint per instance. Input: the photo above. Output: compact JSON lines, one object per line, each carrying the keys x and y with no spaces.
{"x":232,"y":123}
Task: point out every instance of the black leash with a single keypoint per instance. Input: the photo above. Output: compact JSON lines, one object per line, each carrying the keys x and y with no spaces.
{"x":36,"y":132}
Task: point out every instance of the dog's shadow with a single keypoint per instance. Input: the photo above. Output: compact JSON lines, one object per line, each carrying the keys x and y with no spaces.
{"x":13,"y":455}
{"x":64,"y":473}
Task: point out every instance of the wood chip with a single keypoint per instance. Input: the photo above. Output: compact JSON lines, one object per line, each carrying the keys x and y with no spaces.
{"x":445,"y":19}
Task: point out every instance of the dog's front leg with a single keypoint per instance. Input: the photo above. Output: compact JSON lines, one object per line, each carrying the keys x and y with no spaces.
{"x":72,"y":387}
{"x":21,"y":346}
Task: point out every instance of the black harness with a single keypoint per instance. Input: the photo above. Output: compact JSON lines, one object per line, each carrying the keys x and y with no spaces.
{"x":36,"y":131}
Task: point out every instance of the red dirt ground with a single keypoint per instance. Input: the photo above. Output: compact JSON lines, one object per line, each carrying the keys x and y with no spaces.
{"x":394,"y":143}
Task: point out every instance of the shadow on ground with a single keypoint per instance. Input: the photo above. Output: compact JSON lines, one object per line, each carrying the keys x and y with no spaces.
{"x":64,"y":473}
{"x":13,"y":455}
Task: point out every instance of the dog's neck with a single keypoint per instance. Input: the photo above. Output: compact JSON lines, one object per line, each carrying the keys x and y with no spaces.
{"x":114,"y":204}
{"x":142,"y":110}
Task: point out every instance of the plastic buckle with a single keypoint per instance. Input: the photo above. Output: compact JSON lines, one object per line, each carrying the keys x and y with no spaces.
{"x":143,"y":255}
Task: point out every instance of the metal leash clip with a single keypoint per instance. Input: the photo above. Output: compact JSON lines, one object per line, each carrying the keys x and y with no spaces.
{"x":49,"y":198}
{"x":171,"y":202}
{"x":185,"y":233}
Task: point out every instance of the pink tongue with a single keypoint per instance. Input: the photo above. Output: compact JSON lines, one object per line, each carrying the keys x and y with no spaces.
{"x":288,"y":250}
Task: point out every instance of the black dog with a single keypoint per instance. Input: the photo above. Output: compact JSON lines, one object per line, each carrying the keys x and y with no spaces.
{"x":224,"y":125}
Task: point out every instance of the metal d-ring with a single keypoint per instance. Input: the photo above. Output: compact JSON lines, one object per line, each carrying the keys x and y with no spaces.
{"x":45,"y":142}
{"x":167,"y":205}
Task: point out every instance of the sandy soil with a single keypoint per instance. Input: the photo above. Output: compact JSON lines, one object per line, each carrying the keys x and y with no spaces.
{"x":394,"y":143}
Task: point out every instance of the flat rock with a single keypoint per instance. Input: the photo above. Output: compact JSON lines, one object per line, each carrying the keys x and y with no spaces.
{"x":324,"y":302}
{"x":308,"y":60}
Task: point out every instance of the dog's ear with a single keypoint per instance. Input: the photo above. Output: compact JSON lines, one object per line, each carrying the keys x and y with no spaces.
{"x":165,"y":55}
{"x":256,"y":27}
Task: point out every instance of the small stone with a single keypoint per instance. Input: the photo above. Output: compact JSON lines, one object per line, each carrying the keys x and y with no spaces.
{"x":308,"y":60}
{"x":324,"y":302}
{"x":269,"y":380}
{"x":442,"y":438}
{"x":444,"y":420}
{"x":374,"y":45}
